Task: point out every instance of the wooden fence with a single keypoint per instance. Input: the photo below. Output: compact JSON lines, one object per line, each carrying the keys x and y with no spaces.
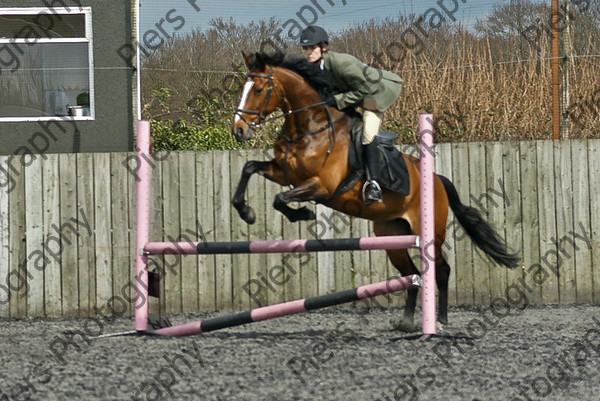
{"x":67,"y":231}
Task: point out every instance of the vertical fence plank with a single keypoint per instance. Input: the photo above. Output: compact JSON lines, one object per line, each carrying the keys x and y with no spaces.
{"x":171,"y":184}
{"x":17,"y":244}
{"x":594,"y":233}
{"x":239,"y":232}
{"x":296,"y":262}
{"x":35,"y":237}
{"x":379,"y":270}
{"x":121,"y":262}
{"x":72,"y":226}
{"x":530,"y":244}
{"x":582,"y":256}
{"x":223,"y":228}
{"x":511,"y":190}
{"x":547,"y":205}
{"x":563,"y":178}
{"x":258,"y":292}
{"x":343,"y":260}
{"x":275,"y":273}
{"x":206,"y":219}
{"x":5,"y":189}
{"x":513,"y":186}
{"x":157,"y":229}
{"x":190,"y":230}
{"x":129,"y":291}
{"x":361,"y":260}
{"x":103,"y":238}
{"x":309,"y":272}
{"x":326,"y":260}
{"x":86,"y":257}
{"x":464,"y":254}
{"x":52,"y":238}
{"x":477,"y":197}
{"x":495,"y":207}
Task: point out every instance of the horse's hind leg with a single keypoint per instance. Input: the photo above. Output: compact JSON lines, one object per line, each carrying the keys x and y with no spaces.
{"x":404,"y":264}
{"x":310,"y":190}
{"x":442,"y":274}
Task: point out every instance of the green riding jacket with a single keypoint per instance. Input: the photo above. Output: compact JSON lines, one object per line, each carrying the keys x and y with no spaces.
{"x":361,"y":85}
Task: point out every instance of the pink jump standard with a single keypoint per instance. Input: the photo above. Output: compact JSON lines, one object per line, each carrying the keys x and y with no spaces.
{"x":427,"y":219}
{"x":145,"y":248}
{"x":142,"y":227}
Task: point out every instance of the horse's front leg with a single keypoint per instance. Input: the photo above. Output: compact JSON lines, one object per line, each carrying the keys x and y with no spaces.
{"x":239,"y":198}
{"x":308,"y":191}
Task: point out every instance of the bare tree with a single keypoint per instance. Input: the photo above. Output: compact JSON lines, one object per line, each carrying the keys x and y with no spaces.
{"x":509,"y":20}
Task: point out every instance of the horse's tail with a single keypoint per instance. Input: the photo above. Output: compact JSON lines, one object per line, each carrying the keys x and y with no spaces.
{"x":480,"y":231}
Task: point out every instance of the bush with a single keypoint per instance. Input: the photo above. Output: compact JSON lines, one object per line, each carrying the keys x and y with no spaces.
{"x":183,"y":135}
{"x":203,"y":124}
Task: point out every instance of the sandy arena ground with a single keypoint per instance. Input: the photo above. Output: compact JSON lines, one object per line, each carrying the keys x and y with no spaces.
{"x":536,"y":353}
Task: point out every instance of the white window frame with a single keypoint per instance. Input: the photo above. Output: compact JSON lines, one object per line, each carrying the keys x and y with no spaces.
{"x":87,"y":12}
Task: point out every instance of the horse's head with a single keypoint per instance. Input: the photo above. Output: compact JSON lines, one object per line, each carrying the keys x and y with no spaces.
{"x":260,"y":97}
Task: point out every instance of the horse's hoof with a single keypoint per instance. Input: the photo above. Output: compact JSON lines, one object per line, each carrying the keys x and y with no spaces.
{"x":247,"y":214}
{"x":306,"y":214}
{"x":405,"y":326}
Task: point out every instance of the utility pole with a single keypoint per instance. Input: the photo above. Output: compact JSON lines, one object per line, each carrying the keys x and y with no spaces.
{"x":566,"y":71}
{"x":555,"y":72}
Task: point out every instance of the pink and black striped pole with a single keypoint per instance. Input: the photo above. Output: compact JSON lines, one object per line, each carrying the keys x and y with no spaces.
{"x":292,"y":307}
{"x":282,"y":246}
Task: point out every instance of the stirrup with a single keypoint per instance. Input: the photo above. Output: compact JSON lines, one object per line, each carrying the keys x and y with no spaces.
{"x":368,"y":200}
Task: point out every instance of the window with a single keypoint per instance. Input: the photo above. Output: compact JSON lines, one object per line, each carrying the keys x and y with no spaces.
{"x":46,"y":63}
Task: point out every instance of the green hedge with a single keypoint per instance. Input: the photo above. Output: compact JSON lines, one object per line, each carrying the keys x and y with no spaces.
{"x":184,"y":135}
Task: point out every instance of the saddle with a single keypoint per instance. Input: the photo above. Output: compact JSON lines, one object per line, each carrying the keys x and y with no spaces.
{"x":392,"y":173}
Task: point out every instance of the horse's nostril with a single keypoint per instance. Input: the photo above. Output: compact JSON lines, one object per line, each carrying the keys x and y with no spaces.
{"x":239,"y":133}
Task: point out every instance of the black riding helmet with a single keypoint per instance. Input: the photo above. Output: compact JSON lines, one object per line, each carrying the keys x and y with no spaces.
{"x":313,"y":35}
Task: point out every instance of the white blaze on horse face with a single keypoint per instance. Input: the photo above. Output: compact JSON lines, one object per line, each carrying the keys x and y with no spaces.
{"x":247,"y":88}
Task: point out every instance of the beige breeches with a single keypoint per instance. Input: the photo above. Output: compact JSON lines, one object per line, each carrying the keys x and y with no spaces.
{"x":371,"y":122}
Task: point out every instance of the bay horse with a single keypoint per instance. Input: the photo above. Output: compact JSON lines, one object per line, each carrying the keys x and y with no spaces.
{"x":311,"y":156}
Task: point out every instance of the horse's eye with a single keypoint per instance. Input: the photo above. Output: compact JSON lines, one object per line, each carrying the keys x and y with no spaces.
{"x":259,"y":90}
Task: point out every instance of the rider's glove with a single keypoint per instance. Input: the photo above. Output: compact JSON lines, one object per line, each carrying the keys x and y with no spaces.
{"x":331,"y":101}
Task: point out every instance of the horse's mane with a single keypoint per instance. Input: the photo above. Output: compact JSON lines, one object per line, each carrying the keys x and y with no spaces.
{"x":298,"y":64}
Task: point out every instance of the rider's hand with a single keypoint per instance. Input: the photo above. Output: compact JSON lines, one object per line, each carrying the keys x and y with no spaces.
{"x":331,"y":101}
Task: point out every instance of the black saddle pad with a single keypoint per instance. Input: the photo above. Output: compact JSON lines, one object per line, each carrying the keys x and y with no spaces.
{"x":392,"y":173}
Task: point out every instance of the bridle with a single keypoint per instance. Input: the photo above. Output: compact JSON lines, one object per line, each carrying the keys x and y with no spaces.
{"x":262,"y":116}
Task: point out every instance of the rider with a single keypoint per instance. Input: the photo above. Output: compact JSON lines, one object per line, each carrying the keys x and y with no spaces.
{"x":358,"y":85}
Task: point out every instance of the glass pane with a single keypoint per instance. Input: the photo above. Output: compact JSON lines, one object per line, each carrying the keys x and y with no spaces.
{"x":52,"y":79}
{"x":42,"y":25}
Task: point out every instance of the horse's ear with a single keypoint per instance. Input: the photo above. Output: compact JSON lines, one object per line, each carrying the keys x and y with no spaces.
{"x":260,"y":62}
{"x":247,"y":58}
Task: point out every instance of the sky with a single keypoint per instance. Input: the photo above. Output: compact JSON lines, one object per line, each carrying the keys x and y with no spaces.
{"x":196,"y":14}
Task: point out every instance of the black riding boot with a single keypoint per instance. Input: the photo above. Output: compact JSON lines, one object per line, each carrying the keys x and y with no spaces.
{"x":371,"y":190}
